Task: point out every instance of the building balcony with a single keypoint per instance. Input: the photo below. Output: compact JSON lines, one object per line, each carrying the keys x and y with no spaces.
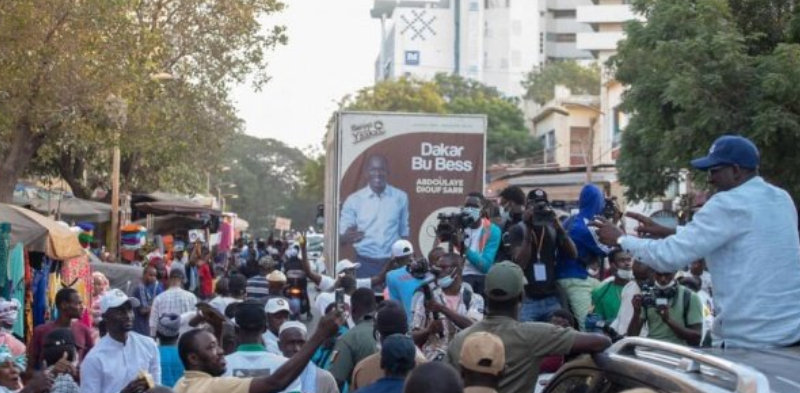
{"x":599,"y":41}
{"x":598,"y":14}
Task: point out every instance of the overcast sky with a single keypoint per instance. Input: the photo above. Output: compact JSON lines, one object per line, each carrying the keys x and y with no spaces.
{"x":331,"y":52}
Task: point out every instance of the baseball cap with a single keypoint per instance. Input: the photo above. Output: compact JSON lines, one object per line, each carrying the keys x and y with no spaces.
{"x":114,"y":298}
{"x":402,"y":248}
{"x":505,"y":281}
{"x":397,"y":353}
{"x":250,"y":315}
{"x":169,"y":325}
{"x":276,"y":305}
{"x":483,"y":352}
{"x":537,"y":194}
{"x":276,"y":276}
{"x":730,"y":150}
{"x":345,"y":264}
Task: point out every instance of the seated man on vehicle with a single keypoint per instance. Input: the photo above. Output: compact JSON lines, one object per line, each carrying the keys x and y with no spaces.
{"x":672,"y":312}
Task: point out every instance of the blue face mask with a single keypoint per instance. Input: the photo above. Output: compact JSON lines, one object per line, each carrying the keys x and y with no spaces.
{"x":474,"y":212}
{"x":447,"y":281}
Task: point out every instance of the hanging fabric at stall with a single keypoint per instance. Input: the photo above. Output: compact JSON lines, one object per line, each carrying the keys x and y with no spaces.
{"x":76,"y":274}
{"x":16,"y":286}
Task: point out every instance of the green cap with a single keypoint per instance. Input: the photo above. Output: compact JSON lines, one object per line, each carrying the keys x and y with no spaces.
{"x":505,"y":281}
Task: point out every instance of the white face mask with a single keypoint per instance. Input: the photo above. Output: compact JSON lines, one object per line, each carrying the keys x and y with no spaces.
{"x":592,"y":272}
{"x":670,"y":285}
{"x":626,"y":275}
{"x":474,"y":212}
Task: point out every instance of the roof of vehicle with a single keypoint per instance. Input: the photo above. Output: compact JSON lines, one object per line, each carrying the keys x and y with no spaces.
{"x":672,"y":367}
{"x":781,"y":366}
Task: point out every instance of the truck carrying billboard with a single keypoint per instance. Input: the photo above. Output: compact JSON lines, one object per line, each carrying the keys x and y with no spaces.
{"x":388,"y":176}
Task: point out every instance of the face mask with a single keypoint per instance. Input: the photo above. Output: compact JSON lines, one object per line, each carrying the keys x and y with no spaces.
{"x":447,"y":281}
{"x":592,"y":272}
{"x":625,"y":274}
{"x":670,"y":285}
{"x":474,"y":212}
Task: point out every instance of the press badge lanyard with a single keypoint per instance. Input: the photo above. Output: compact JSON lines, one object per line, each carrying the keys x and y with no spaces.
{"x":539,"y":270}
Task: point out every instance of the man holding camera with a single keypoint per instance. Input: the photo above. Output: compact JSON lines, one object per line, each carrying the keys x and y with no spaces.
{"x":538,"y":240}
{"x":448,"y":308}
{"x":512,"y":207}
{"x":403,"y":281}
{"x":672,"y":312}
{"x":481,"y":240}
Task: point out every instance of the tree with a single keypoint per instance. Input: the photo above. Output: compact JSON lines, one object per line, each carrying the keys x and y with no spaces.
{"x":61,"y":59}
{"x":697,"y":70}
{"x":267,"y":174}
{"x":507,"y":137}
{"x":540,"y":83}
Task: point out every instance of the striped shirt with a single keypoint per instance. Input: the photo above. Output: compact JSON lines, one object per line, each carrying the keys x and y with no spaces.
{"x":172,"y":301}
{"x":257,"y":287}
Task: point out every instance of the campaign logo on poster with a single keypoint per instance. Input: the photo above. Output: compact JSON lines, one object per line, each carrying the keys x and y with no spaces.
{"x":412,"y":57}
{"x":364,"y":131}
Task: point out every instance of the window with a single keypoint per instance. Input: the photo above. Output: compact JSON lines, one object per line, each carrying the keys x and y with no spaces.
{"x":565,"y":37}
{"x":473,"y":6}
{"x":550,"y":147}
{"x":616,"y":132}
{"x":578,"y":146}
{"x":564,"y":14}
{"x":516,"y":58}
{"x":541,"y":42}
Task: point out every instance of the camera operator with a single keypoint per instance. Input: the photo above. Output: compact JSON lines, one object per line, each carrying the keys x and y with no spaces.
{"x":672,"y":312}
{"x":512,"y":205}
{"x":481,"y":240}
{"x":452,"y":307}
{"x":538,"y":240}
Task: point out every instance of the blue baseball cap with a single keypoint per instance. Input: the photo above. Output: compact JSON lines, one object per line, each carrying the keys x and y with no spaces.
{"x":730,"y":150}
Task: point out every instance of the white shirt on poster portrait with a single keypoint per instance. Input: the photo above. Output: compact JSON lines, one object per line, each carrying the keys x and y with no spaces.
{"x":383,"y":218}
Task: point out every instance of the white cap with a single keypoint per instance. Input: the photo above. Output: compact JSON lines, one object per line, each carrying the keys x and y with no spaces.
{"x":345,"y":264}
{"x":293,"y":324}
{"x":402,"y":248}
{"x":276,"y":305}
{"x":276,"y":276}
{"x":114,"y":298}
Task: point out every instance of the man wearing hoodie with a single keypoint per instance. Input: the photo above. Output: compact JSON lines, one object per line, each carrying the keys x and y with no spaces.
{"x":571,"y":272}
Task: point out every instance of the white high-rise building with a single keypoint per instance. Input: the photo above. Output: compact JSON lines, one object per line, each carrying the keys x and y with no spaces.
{"x":606,"y":18}
{"x":493,"y":41}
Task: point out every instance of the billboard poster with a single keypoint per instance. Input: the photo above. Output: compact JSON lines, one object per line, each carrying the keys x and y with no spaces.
{"x":395,"y":173}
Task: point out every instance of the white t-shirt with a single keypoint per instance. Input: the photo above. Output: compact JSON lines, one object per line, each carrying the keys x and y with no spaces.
{"x":474,"y":244}
{"x":220,"y":303}
{"x":271,"y":342}
{"x":625,"y":314}
{"x":252,"y":363}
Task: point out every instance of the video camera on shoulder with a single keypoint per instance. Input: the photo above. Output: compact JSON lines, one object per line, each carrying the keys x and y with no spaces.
{"x":653,"y":296}
{"x":451,"y":224}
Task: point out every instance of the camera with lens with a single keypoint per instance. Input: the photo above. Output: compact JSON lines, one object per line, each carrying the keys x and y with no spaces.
{"x":543,"y":213}
{"x":419,"y":268}
{"x":653,"y":296}
{"x":611,"y":210}
{"x":452,"y":223}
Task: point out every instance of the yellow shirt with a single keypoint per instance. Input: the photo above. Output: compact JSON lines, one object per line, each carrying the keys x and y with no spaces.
{"x":198,"y":381}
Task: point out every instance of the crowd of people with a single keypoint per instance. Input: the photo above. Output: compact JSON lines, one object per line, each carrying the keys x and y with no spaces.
{"x":514,"y":293}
